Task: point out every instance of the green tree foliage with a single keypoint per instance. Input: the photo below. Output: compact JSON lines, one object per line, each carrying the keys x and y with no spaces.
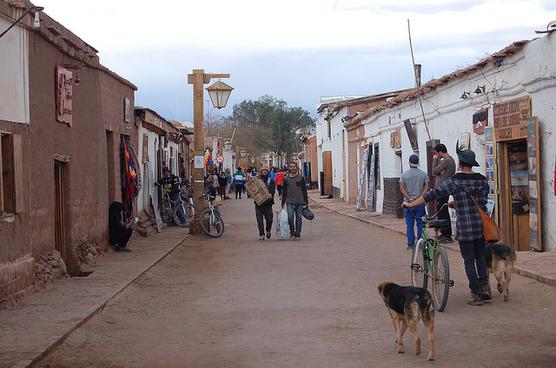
{"x":268,"y":124}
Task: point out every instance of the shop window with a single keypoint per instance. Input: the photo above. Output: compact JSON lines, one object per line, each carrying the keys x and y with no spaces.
{"x":11,"y":180}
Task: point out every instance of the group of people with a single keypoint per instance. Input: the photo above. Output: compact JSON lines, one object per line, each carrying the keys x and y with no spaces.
{"x":468,"y":190}
{"x":292,"y":189}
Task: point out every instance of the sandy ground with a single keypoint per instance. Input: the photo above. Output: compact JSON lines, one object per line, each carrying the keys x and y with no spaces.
{"x":240,"y":302}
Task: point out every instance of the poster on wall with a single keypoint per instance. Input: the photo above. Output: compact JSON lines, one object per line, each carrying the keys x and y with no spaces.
{"x":534,"y":182}
{"x":480,"y":121}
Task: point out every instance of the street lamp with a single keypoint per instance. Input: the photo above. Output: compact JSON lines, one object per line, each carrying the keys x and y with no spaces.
{"x":221,"y":93}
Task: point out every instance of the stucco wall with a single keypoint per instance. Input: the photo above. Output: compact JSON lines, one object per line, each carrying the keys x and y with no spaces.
{"x":531,"y":72}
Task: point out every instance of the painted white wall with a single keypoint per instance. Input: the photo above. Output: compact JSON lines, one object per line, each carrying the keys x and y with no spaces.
{"x":14,"y":74}
{"x":334,"y":144}
{"x":529,"y":72}
{"x":149,"y":169}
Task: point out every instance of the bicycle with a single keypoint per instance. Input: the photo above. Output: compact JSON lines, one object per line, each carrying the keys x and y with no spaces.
{"x":211,"y":219}
{"x":430,"y":260}
{"x":170,"y":209}
{"x":187,"y":200}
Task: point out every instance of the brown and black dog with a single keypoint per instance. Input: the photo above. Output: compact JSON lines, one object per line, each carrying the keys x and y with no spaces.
{"x":406,"y":306}
{"x":500,"y":261}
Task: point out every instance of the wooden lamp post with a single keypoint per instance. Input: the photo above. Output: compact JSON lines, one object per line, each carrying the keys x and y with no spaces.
{"x":219,"y":93}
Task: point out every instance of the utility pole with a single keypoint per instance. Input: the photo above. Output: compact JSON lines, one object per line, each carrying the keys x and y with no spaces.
{"x":198,"y":79}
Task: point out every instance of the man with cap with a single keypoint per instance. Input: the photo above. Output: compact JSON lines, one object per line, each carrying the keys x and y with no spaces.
{"x":466,"y":187}
{"x":264,"y":211}
{"x":443,"y":167}
{"x":413,"y":183}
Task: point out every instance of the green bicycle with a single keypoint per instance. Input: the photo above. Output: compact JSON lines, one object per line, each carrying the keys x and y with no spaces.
{"x":429,"y":260}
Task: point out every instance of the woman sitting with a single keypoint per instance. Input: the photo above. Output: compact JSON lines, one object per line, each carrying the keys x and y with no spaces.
{"x":119,"y":231}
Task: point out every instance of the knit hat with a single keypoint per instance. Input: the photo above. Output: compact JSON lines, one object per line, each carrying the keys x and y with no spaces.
{"x":414,"y":160}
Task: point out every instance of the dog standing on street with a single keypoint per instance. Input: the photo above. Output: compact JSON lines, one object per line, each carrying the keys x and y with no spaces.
{"x":406,"y":306}
{"x":500,"y":261}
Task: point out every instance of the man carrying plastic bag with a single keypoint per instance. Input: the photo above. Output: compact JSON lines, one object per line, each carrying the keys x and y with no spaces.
{"x":282,"y":226}
{"x":295,"y":197}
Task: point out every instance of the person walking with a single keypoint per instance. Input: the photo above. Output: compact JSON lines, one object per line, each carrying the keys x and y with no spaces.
{"x":413,"y":183}
{"x":263,"y":212}
{"x":294,"y":195}
{"x":239,"y":181}
{"x":279,"y":181}
{"x":443,"y":167}
{"x":467,"y":187}
{"x":223,"y":183}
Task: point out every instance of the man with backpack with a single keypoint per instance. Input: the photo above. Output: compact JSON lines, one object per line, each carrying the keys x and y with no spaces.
{"x":294,"y":195}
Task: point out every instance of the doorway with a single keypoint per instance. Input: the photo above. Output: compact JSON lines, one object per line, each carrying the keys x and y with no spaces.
{"x":327,"y":169}
{"x":60,"y":208}
{"x":514,"y":194}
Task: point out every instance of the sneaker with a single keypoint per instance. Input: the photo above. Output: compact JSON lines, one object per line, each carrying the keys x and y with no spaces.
{"x":476,"y":300}
{"x":268,"y":235}
{"x":292,"y":237}
{"x":409,"y":249}
{"x":261,"y":237}
{"x":485,"y":298}
{"x":297,"y":237}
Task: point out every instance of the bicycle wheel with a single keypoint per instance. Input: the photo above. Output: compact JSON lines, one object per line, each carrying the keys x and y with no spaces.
{"x":176,"y":218}
{"x":212,"y":224}
{"x":440,"y":279}
{"x":419,"y":268}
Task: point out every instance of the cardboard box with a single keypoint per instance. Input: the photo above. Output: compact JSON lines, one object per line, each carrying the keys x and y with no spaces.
{"x":257,"y":190}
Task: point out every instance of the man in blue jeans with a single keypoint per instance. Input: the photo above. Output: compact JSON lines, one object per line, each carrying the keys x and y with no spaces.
{"x":413,"y":183}
{"x":294,"y":195}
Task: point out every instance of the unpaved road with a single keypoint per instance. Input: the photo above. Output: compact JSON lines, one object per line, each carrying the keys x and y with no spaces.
{"x":240,"y":302}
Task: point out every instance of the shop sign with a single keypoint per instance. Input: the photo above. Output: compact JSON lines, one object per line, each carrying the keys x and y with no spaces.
{"x":510,"y":119}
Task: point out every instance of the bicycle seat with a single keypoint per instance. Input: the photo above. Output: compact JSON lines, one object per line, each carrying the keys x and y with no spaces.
{"x":438,"y":224}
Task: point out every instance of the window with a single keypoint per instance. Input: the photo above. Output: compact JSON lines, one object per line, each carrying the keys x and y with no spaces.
{"x":11,"y":180}
{"x":329,"y":129}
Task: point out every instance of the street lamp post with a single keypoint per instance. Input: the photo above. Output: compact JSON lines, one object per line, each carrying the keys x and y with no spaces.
{"x":222,"y":92}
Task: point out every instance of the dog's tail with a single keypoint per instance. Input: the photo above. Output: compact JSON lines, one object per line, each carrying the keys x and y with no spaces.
{"x":426,"y":306}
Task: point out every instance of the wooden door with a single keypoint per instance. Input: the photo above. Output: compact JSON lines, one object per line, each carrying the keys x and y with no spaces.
{"x":327,"y":166}
{"x":59,"y":211}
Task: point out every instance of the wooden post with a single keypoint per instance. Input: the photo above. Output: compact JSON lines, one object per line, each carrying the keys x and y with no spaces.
{"x":198,"y":79}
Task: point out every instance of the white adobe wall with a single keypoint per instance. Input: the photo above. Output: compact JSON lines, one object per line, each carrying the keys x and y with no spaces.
{"x":530,"y":72}
{"x":14,"y":73}
{"x":147,"y":179}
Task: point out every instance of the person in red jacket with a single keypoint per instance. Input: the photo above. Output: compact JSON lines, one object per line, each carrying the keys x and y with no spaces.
{"x":279,"y":181}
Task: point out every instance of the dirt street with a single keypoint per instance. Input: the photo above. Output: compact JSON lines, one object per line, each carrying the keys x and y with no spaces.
{"x":241,"y":302}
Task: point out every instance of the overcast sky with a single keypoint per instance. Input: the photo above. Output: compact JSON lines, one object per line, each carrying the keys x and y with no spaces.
{"x":297,"y":50}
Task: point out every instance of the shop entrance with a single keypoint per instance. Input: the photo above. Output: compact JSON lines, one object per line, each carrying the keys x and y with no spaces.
{"x":327,"y":169}
{"x":514,"y":194}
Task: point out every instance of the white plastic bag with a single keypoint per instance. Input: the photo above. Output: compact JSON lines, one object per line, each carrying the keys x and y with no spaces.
{"x":282,"y":225}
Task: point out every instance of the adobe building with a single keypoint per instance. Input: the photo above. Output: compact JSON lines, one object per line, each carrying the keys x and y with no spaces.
{"x":62,"y":122}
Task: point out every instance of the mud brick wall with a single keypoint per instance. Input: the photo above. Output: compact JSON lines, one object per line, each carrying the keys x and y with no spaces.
{"x":15,"y":276}
{"x":392,"y":198}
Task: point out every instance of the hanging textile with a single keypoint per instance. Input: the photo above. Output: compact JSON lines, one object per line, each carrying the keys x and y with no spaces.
{"x":130,"y":184}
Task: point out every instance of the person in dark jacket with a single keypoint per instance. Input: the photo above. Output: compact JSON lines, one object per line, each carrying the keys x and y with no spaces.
{"x":467,"y":187}
{"x":119,"y":231}
{"x":294,"y":195}
{"x":263,"y":213}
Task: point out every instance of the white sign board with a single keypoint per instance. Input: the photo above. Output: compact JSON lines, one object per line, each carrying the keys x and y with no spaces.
{"x":199,"y":162}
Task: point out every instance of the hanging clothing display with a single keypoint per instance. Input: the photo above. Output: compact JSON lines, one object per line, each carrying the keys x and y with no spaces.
{"x":129,"y":173}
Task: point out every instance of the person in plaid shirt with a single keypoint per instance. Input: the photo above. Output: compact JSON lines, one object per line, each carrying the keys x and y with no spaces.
{"x":463,"y":186}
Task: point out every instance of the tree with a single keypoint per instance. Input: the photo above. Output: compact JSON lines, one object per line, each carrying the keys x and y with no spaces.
{"x":268,"y":124}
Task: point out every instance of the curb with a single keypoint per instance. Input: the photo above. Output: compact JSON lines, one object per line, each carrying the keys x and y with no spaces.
{"x":62,"y":338}
{"x":517,"y":269}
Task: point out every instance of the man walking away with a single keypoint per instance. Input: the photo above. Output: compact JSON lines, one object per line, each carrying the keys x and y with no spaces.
{"x":467,"y":187}
{"x":264,"y":211}
{"x":443,"y":167}
{"x":279,"y":181}
{"x":294,"y":194}
{"x":223,"y":185}
{"x":413,"y":183}
{"x":239,"y":181}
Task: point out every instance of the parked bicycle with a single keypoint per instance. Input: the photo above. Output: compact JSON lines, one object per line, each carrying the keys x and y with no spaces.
{"x":429,"y":260}
{"x":211,"y":219}
{"x":170,"y":210}
{"x":187,"y":200}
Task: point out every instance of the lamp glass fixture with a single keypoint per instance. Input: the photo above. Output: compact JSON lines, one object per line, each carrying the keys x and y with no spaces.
{"x":219,"y":93}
